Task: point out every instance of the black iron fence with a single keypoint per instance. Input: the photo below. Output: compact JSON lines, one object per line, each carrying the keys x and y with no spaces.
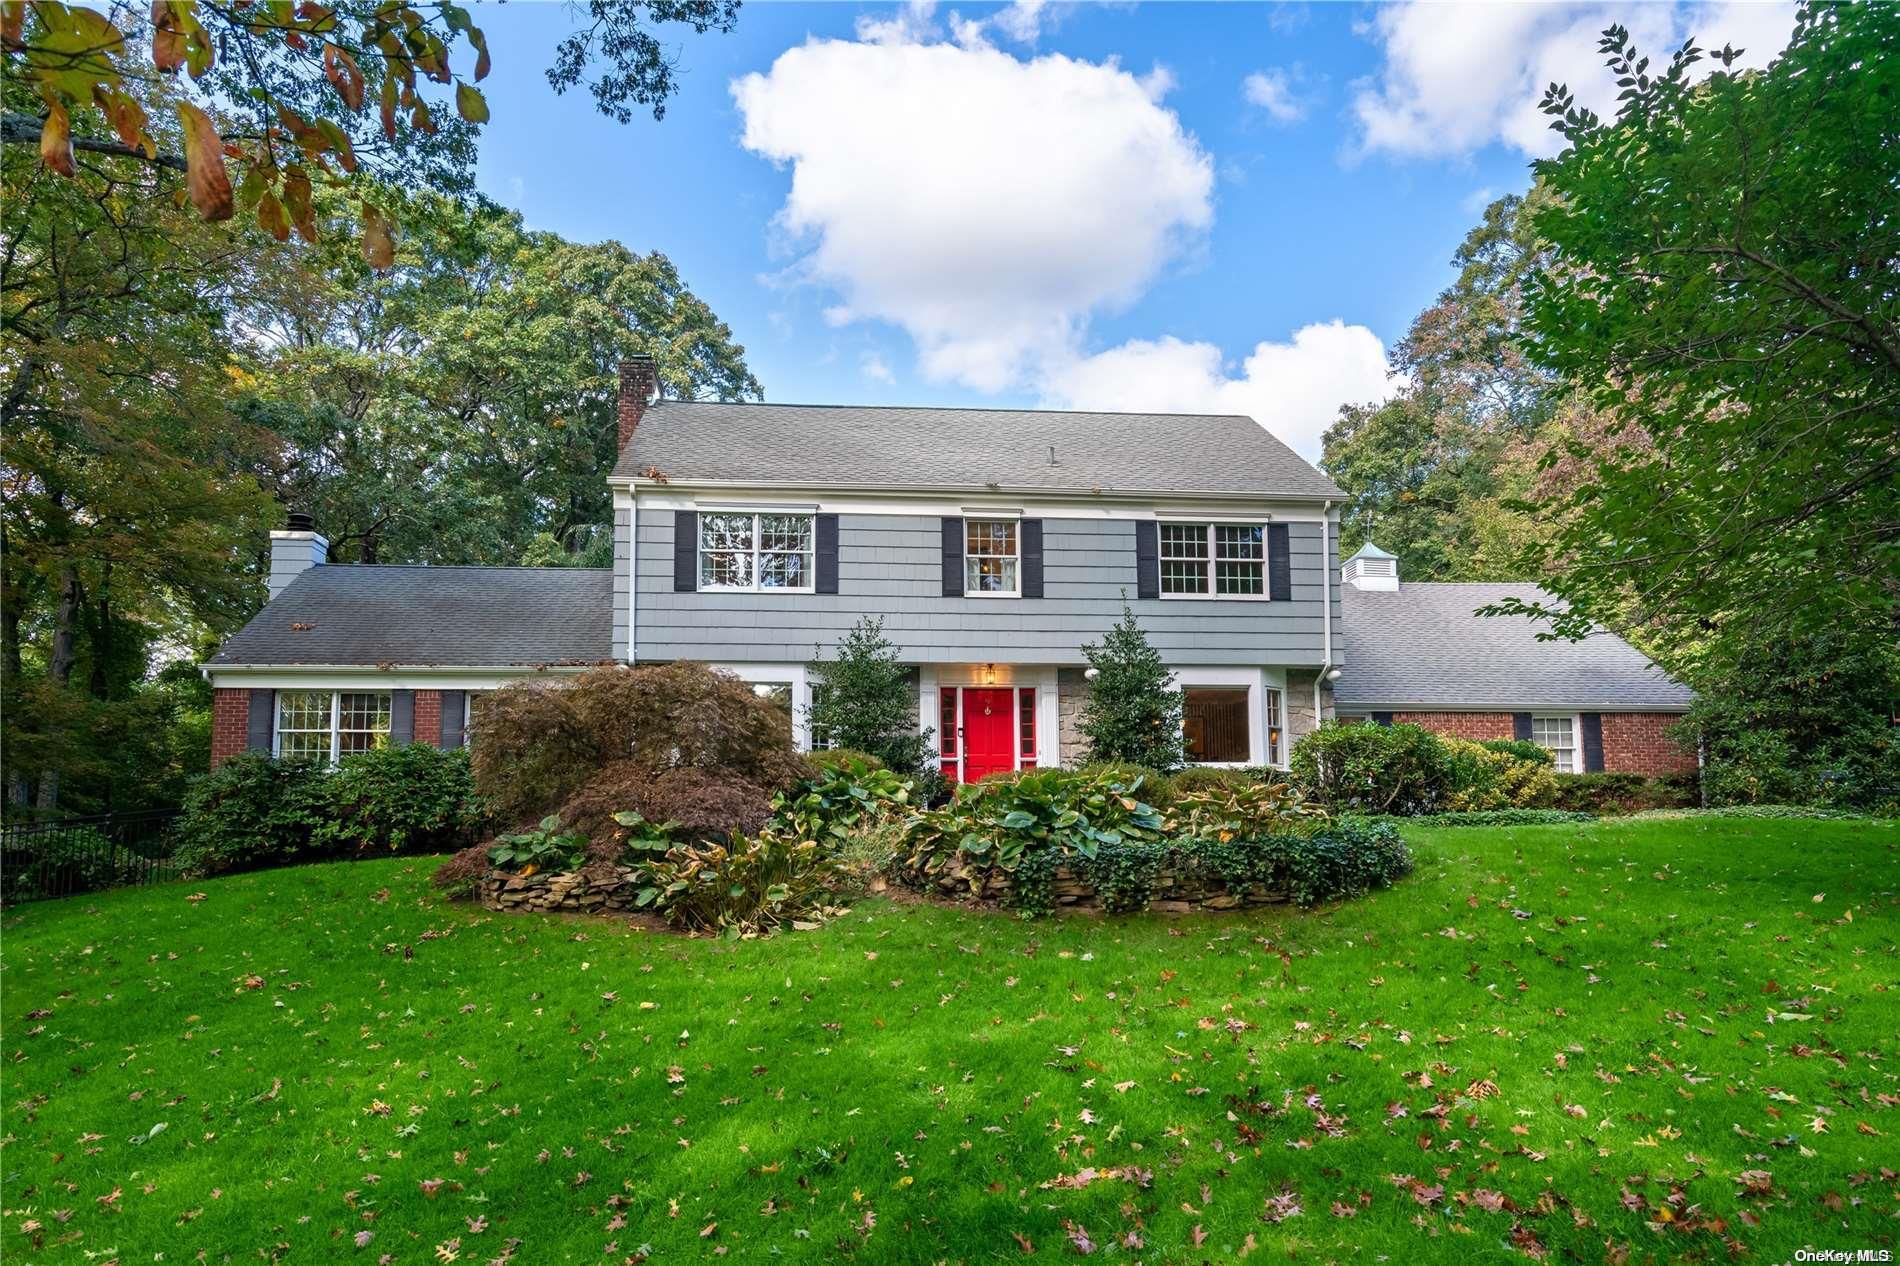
{"x":74,"y":855}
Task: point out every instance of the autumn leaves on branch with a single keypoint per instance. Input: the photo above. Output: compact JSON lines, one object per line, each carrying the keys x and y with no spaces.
{"x":278,"y":58}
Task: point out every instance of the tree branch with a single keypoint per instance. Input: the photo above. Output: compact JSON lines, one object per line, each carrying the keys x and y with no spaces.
{"x":24,"y":129}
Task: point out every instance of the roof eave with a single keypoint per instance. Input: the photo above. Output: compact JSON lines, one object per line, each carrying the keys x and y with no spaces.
{"x":632,"y":482}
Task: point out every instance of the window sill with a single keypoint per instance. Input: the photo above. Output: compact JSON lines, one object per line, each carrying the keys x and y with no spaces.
{"x":1215,"y":597}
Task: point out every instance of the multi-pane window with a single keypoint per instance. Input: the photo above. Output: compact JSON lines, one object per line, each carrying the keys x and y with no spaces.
{"x":1227,"y":560}
{"x":1026,"y":726}
{"x":1214,"y":724}
{"x":1275,"y":728}
{"x":1558,"y":735}
{"x":989,"y":556}
{"x":303,"y":724}
{"x":756,"y":551}
{"x":325,"y":724}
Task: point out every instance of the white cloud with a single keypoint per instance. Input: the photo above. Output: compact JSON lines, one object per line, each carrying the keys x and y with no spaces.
{"x":1459,"y":77}
{"x":1478,"y":199}
{"x":1294,"y":389}
{"x":986,"y":205}
{"x":1272,"y":90}
{"x":872,"y":366}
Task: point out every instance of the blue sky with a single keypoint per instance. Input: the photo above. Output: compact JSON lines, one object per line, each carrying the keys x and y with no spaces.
{"x":1172,"y":206}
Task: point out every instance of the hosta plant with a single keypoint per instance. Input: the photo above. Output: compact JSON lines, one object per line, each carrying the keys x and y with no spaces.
{"x":842,"y":796}
{"x":1243,"y":808}
{"x":546,"y":847}
{"x":747,"y":888}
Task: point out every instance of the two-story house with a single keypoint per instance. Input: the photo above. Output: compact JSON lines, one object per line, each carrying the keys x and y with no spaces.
{"x":993,"y":543}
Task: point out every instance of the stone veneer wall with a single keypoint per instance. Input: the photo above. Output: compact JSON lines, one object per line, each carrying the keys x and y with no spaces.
{"x":596,"y":890}
{"x":1299,"y":705}
{"x":1072,"y":695}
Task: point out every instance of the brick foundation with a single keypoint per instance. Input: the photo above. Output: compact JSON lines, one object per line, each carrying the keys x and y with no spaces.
{"x":1639,"y":743}
{"x":230,"y":723}
{"x":428,"y":725}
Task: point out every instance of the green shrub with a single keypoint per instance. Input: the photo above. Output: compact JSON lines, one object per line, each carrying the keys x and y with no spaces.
{"x":862,"y":698}
{"x":1157,"y":788}
{"x":991,"y":825}
{"x":250,"y":811}
{"x":1624,"y":793}
{"x":746,"y":889}
{"x":844,"y":795}
{"x":1123,"y":875}
{"x":1523,"y":749}
{"x":1493,"y":817}
{"x":1133,"y":710}
{"x":1485,"y":776}
{"x":409,"y":797}
{"x":546,"y":847}
{"x":1213,"y":778}
{"x":831,"y":758}
{"x":537,"y":743}
{"x":1402,"y":769}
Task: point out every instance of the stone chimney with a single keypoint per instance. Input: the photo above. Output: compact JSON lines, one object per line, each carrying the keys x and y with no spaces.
{"x":1371,"y":568}
{"x":294,"y":550}
{"x":639,"y":387}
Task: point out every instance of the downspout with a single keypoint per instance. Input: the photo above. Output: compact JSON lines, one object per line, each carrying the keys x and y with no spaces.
{"x":1325,"y":608}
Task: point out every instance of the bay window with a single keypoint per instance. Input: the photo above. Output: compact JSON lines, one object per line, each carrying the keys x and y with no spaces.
{"x":323,"y":725}
{"x":741,"y":551}
{"x":1224,"y":560}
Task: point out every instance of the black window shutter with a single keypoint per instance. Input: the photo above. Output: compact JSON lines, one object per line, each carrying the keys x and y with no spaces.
{"x":261,"y":721}
{"x":1521,"y":726}
{"x":1592,"y":742}
{"x":826,"y":528}
{"x":952,"y":558}
{"x":454,"y":706}
{"x":1032,"y":558}
{"x":685,"y":551}
{"x":1382,"y":718}
{"x":1147,"y":559}
{"x":1279,"y":564}
{"x":402,"y":716}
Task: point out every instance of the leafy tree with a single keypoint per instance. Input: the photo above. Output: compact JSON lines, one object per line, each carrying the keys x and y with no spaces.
{"x":319,"y":94}
{"x":1720,"y":282}
{"x":1432,"y":472}
{"x":461,"y":404}
{"x":862,"y":699}
{"x":1133,"y":713}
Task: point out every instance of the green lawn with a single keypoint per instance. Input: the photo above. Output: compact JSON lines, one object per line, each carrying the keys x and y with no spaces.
{"x":1554,"y":1041}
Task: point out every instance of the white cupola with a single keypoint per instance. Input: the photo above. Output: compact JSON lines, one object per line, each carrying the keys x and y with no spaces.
{"x":1371,"y":568}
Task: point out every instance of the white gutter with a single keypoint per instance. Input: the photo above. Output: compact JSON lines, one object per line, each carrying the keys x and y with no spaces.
{"x":631,"y":482}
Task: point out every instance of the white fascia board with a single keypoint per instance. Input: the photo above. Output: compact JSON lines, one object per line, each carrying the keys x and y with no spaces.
{"x":392,"y":677}
{"x":966,"y":502}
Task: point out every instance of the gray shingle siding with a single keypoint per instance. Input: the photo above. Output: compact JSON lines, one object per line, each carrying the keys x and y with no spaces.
{"x":890,"y":565}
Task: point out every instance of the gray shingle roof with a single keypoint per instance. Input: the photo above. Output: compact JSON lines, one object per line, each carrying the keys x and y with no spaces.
{"x":1421,"y":647}
{"x":447,"y":616}
{"x":845,"y":446}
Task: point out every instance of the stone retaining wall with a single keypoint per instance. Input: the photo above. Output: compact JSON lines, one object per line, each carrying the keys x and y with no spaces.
{"x":1174,"y":892}
{"x":595,"y":890}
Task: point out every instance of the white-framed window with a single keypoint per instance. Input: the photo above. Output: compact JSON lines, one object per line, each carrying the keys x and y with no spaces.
{"x":1213,"y":560}
{"x":781,"y":695}
{"x":325,"y":724}
{"x":753,"y":551}
{"x":1215,"y":723}
{"x":1276,"y":726}
{"x":1558,"y":736}
{"x":991,"y":557}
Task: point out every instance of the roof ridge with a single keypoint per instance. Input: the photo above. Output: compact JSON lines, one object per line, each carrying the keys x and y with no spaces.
{"x":970,"y":408}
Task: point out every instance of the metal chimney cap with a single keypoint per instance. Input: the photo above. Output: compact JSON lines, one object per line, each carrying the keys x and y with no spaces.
{"x":299,"y":521}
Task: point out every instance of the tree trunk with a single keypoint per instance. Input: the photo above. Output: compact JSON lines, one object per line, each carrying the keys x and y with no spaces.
{"x":99,"y":683}
{"x":59,"y":669}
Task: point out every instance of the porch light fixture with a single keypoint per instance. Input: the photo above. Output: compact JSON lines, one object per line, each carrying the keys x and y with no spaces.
{"x":989,"y":674}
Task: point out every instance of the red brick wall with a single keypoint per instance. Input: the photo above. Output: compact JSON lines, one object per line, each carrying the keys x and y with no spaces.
{"x":429,"y":717}
{"x":1465,"y":725}
{"x":1637,"y":743}
{"x":230,"y":723}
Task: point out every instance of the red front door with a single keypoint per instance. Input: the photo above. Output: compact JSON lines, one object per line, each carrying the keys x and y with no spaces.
{"x":989,"y":732}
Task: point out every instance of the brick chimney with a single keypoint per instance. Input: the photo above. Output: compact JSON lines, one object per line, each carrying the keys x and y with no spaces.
{"x":639,"y":387}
